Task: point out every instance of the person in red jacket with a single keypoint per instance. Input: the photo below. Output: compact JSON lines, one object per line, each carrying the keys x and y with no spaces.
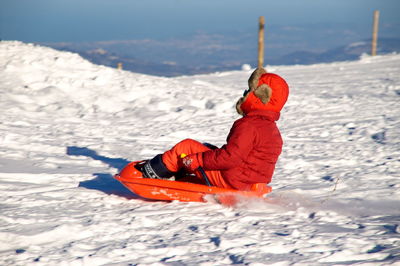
{"x":253,"y":144}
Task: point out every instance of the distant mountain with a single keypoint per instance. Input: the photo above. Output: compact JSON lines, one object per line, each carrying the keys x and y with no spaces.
{"x":195,"y":55}
{"x":205,"y":54}
{"x":349,"y":52}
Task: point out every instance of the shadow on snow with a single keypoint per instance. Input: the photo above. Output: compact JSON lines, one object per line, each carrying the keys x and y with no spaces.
{"x":103,"y":181}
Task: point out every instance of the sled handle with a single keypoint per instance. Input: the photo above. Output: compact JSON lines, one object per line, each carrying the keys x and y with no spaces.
{"x":201,"y":170}
{"x":203,"y":173}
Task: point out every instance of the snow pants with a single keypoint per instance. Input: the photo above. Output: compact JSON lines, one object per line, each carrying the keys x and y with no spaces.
{"x":173,"y":162}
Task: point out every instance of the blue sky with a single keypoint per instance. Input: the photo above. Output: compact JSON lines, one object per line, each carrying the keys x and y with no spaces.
{"x":97,"y":20}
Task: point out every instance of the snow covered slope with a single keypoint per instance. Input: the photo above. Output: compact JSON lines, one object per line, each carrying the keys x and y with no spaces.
{"x":66,"y":126}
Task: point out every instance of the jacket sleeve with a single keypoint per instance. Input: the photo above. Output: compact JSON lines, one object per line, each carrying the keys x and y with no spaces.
{"x":239,"y":144}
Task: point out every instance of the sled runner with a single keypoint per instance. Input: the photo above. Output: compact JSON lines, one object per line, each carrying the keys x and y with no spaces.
{"x":168,"y":190}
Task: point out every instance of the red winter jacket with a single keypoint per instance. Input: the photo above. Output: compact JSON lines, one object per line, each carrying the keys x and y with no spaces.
{"x":254,"y":142}
{"x":253,"y":146}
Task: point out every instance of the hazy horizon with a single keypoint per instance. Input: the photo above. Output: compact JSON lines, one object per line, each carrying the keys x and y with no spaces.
{"x":213,"y":35}
{"x":103,"y":20}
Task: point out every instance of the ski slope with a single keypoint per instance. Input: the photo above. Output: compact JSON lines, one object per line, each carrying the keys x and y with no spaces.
{"x":67,"y":126}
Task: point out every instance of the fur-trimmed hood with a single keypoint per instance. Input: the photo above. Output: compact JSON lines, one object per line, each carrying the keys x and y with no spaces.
{"x":267,"y":91}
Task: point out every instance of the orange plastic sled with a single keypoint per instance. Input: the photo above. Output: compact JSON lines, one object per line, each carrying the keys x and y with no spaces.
{"x":168,"y":190}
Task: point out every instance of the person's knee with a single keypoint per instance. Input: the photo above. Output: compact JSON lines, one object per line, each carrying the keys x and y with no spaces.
{"x":188,"y":143}
{"x":188,"y":146}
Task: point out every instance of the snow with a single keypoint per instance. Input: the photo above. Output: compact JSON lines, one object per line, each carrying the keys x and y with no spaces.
{"x":67,"y":126}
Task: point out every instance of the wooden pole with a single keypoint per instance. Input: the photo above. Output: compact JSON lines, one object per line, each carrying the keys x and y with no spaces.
{"x":119,"y":66}
{"x":261,"y":42}
{"x":375,"y":33}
